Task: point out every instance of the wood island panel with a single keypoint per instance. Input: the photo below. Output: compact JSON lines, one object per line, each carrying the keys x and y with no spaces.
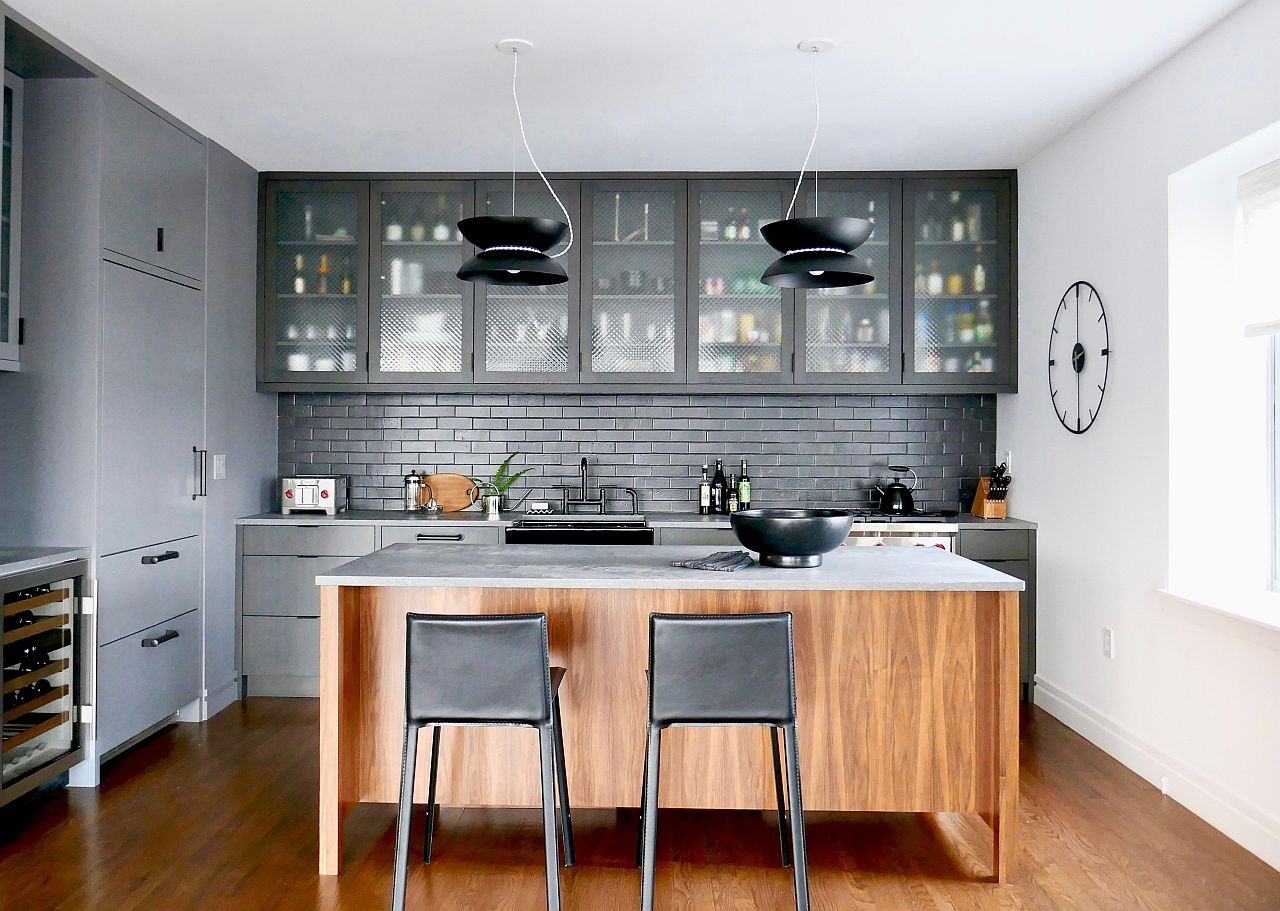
{"x":907,"y":702}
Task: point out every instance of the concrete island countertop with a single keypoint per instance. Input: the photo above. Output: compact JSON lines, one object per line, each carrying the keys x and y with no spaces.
{"x":472,"y":517}
{"x":14,"y":560}
{"x":587,"y":566}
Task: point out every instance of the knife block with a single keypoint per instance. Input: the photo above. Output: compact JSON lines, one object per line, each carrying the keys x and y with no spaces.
{"x":984,"y":508}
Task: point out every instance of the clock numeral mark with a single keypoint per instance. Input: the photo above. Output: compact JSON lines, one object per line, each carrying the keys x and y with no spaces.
{"x":1100,"y":389}
{"x":1106,"y":351}
{"x":1052,"y":362}
{"x":1053,"y":393}
{"x":1091,"y":415}
{"x":1077,"y":422}
{"x":1101,"y":317}
{"x":1055,"y":330}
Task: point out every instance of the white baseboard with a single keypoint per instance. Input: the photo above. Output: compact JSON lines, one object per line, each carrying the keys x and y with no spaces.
{"x":1216,"y":804}
{"x":225,"y":695}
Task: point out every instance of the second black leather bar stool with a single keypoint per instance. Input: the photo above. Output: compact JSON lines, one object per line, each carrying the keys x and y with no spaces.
{"x":722,"y":670}
{"x":482,"y":671}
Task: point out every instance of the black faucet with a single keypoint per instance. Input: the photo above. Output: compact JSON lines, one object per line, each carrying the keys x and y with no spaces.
{"x":584,"y":478}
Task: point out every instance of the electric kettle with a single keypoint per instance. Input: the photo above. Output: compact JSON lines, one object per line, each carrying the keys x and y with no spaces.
{"x":895,"y":498}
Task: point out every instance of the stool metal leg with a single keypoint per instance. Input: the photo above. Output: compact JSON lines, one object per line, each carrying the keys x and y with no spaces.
{"x":549,"y":817}
{"x":562,"y":784}
{"x":644,"y":790}
{"x":783,"y":834}
{"x":404,"y":817}
{"x":433,"y":811}
{"x":801,"y":870}
{"x":649,"y":821}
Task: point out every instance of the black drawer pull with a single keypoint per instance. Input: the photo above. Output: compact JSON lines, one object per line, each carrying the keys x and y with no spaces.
{"x":425,"y":537}
{"x":169,"y":635}
{"x":159,"y":240}
{"x":153,"y":559}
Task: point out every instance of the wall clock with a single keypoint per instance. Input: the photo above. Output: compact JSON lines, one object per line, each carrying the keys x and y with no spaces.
{"x":1079,"y":357}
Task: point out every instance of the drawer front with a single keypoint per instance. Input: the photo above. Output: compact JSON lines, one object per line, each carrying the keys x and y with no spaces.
{"x":140,"y":686}
{"x":456,"y":534}
{"x":709,"y":536}
{"x":282,"y":646}
{"x":133,"y":594}
{"x":284,"y":586}
{"x":995,"y":544}
{"x":310,"y":540}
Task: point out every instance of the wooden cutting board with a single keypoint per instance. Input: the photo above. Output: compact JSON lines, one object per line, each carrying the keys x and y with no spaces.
{"x":453,"y":492}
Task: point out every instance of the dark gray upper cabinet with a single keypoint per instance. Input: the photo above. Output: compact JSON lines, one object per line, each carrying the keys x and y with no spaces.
{"x":530,"y":334}
{"x":315,"y":324}
{"x":740,"y":330}
{"x":958,"y":321}
{"x":854,"y":335}
{"x":634,"y":251}
{"x":422,"y":316}
{"x":153,"y":188}
{"x":359,"y":287}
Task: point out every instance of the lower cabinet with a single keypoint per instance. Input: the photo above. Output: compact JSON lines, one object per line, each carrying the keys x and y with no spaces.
{"x":414,"y":534}
{"x":1013,"y":552}
{"x":145,"y":678}
{"x":712,"y":537}
{"x":140,"y":588}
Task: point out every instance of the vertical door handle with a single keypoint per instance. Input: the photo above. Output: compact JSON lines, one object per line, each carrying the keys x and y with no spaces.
{"x":202,"y":472}
{"x":159,"y":240}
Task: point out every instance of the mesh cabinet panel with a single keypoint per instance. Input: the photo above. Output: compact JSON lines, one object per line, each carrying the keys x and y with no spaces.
{"x":633,"y":276}
{"x":739,"y":317}
{"x":848,"y":330}
{"x":954,"y":285}
{"x":315,"y":277}
{"x":421,"y":308}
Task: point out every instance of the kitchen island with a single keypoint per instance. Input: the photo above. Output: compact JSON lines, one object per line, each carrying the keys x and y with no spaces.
{"x":906,"y":667}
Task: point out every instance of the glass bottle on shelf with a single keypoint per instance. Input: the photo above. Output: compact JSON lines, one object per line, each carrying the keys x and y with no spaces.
{"x":299,"y":278}
{"x":965,"y":325}
{"x":979,"y":281}
{"x":322,"y":275}
{"x":731,"y":226}
{"x":744,"y":226}
{"x":348,"y":285}
{"x":920,"y":286}
{"x":934,"y":284}
{"x":441,"y":230}
{"x":973,"y":223}
{"x":958,"y":226}
{"x":984,"y":326}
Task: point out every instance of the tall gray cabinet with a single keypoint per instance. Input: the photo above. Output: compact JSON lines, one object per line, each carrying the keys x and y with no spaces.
{"x":105,"y":429}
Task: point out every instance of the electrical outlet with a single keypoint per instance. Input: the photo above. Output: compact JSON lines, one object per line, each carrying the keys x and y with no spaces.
{"x":219,"y":467}
{"x":1108,"y":643}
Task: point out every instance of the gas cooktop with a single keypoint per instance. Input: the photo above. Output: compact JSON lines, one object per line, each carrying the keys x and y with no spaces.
{"x":865,"y":514}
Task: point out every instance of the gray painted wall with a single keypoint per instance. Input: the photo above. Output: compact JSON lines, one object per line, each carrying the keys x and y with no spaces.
{"x":239,"y":422}
{"x":812,"y":449}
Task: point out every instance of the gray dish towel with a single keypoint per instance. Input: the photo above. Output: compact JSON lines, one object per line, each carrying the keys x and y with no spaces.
{"x":725,"y":561}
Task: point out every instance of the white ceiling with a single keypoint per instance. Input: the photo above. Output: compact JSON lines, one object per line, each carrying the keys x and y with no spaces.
{"x":651,"y":85}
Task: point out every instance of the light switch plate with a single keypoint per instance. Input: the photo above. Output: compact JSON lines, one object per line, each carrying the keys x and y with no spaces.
{"x":219,"y":467}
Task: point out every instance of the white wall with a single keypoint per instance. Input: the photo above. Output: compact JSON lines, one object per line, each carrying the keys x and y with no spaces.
{"x":239,"y":422}
{"x":1191,"y":694}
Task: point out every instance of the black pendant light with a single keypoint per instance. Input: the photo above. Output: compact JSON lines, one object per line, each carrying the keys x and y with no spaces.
{"x":816,"y":252}
{"x":513,"y":248}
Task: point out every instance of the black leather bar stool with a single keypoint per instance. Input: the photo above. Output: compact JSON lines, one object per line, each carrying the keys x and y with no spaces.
{"x":482,"y":671}
{"x":715,"y":671}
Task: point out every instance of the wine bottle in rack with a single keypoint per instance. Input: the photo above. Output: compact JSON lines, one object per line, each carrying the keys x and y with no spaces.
{"x":731,"y":226}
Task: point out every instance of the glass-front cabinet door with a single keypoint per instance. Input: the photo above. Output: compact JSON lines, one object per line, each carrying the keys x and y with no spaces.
{"x":854,"y":334}
{"x":958,"y":310}
{"x":741,"y":328}
{"x":633,"y":330}
{"x":420,"y":324}
{"x":530,"y":334}
{"x":316,"y":325}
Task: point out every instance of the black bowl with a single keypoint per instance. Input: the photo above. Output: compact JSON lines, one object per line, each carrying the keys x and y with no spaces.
{"x":791,"y":538}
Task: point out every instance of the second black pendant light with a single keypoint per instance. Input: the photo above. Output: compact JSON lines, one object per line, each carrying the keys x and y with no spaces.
{"x":513,"y":248}
{"x":816,"y":252}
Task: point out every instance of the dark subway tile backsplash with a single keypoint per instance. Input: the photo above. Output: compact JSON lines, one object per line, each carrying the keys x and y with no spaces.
{"x":813,"y":450}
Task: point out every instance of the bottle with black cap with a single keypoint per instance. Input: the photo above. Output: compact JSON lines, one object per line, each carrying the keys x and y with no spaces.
{"x":704,"y":492}
{"x":719,"y":502}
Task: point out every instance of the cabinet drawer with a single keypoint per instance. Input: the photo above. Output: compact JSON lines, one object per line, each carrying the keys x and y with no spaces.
{"x":310,"y":540}
{"x":709,"y":536}
{"x":995,"y":544}
{"x":146,"y":677}
{"x":133,"y":594}
{"x":284,"y":586}
{"x":454,"y":534}
{"x":282,"y":646}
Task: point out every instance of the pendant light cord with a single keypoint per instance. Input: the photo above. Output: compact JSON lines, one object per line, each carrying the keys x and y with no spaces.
{"x":817,"y":121}
{"x":515,"y":70}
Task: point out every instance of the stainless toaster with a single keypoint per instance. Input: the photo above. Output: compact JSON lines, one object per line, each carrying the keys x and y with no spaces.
{"x":314,"y":493}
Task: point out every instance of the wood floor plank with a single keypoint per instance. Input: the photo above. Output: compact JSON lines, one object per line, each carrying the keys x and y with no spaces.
{"x":223,"y":815}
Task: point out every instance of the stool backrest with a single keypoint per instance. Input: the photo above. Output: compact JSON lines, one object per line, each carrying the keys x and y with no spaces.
{"x":721,"y":669}
{"x":477,"y":669}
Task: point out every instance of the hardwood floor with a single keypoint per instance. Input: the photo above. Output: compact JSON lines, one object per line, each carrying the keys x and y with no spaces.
{"x":224,"y":816}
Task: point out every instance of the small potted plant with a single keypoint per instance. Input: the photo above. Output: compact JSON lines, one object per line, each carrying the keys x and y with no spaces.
{"x":495,"y":488}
